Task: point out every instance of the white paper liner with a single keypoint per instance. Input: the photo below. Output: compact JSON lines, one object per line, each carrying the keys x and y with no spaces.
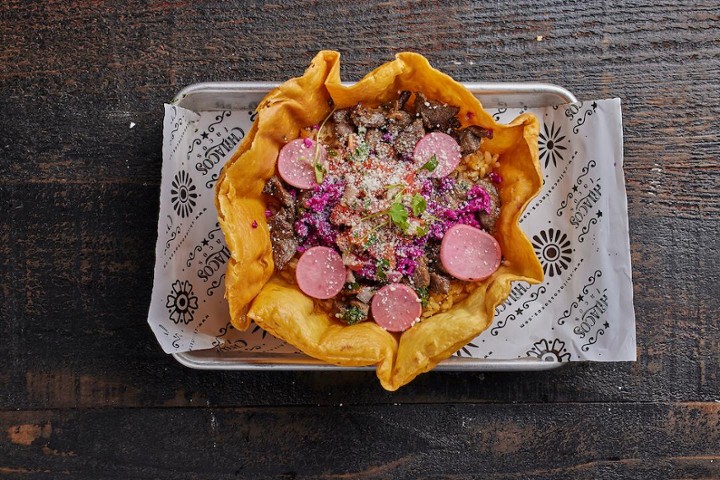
{"x":578,"y":226}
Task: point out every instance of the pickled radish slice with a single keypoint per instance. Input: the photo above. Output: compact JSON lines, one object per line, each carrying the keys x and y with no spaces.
{"x":396,"y":307}
{"x":469,"y":253}
{"x":440,"y":149}
{"x":320,"y":273}
{"x":295,"y":162}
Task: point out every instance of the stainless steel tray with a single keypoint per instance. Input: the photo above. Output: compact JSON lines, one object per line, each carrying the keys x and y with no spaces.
{"x":238,"y":95}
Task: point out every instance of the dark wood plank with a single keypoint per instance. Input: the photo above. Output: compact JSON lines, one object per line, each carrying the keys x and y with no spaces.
{"x":107,"y":67}
{"x":598,"y":441}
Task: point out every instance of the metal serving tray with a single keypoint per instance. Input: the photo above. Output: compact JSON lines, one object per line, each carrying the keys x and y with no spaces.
{"x":216,"y":96}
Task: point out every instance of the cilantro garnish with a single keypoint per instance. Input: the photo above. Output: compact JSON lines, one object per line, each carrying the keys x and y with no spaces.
{"x":418,"y":204}
{"x":381,"y":268}
{"x":319,"y":172}
{"x":319,"y":169}
{"x":424,"y":295}
{"x":353,"y":315}
{"x":431,"y":164}
{"x":399,"y":216}
{"x":397,"y":212}
{"x":361,"y":153}
{"x":371,"y":240}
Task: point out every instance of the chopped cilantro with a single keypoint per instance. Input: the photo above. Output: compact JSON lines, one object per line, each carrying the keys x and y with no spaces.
{"x":377,"y":227}
{"x":431,"y":164}
{"x":353,"y":315}
{"x":372,"y":240}
{"x":418,"y":204}
{"x":424,"y":295}
{"x":381,"y":268}
{"x":361,"y":153}
{"x":317,"y":167}
{"x":421,"y":231}
{"x":399,"y":216}
{"x":319,"y":172}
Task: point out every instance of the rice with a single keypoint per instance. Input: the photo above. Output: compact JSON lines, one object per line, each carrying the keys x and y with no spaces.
{"x":440,"y":302}
{"x":477,"y":165}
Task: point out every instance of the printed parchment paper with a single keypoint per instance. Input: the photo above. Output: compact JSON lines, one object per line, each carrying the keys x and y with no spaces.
{"x":578,"y":226}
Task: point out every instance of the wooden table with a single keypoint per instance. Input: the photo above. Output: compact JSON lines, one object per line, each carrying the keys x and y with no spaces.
{"x":86,"y":392}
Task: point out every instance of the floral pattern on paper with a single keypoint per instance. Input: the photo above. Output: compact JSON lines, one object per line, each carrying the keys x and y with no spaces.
{"x":553,"y":249}
{"x":182,"y":302}
{"x":182,"y":194}
{"x":550,"y":352}
{"x":549,"y":145}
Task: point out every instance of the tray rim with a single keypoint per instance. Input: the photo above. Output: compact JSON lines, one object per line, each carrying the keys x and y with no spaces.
{"x":481,"y":88}
{"x":217,"y":361}
{"x":206,"y":360}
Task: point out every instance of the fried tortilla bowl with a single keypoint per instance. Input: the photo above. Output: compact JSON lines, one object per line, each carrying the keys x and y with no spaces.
{"x":256,"y":292}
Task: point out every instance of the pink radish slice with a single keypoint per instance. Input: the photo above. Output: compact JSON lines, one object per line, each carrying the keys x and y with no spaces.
{"x":469,"y":254}
{"x":295,"y":162}
{"x":320,"y":272}
{"x":396,"y":307}
{"x":443,"y":147}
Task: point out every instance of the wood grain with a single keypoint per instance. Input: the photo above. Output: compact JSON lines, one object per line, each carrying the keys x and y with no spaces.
{"x":78,"y":218}
{"x":599,"y":441}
